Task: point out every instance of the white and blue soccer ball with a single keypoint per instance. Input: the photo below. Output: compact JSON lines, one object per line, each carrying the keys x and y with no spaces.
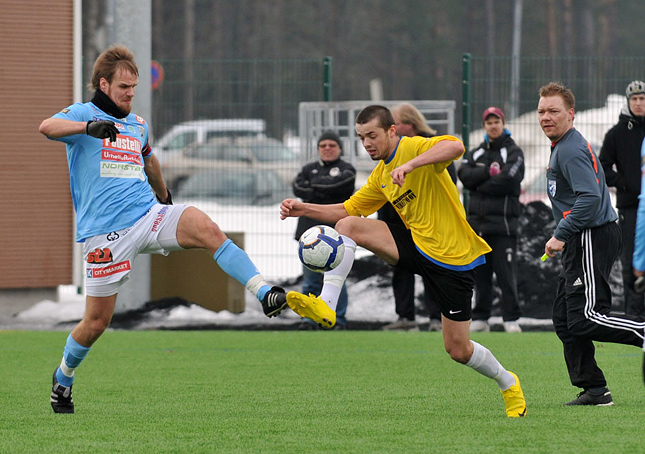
{"x":321,"y":248}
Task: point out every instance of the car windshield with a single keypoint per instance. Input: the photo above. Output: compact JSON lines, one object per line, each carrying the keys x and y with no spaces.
{"x":219,"y":185}
{"x":235,"y":187}
{"x":271,"y":150}
{"x":245,"y":151}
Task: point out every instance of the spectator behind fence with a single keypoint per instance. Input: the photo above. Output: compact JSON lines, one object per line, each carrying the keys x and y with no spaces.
{"x":327,"y":180}
{"x":410,"y":122}
{"x":117,"y":216}
{"x":588,"y":239}
{"x":492,"y":173}
{"x":621,"y":160}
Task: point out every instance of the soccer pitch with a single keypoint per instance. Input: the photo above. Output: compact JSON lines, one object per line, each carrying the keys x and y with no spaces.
{"x":299,"y":392}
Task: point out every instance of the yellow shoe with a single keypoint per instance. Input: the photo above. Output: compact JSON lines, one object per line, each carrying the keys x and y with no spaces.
{"x":312,"y":307}
{"x":514,"y":400}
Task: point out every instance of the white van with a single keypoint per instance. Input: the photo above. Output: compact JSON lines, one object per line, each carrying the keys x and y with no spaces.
{"x":199,"y":131}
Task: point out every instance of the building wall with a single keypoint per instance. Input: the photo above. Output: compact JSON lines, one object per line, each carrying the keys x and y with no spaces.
{"x":36,"y":233}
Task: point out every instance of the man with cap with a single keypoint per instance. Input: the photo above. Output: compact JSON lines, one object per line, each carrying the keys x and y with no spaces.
{"x":620,"y":157}
{"x":492,"y":173}
{"x":327,"y":180}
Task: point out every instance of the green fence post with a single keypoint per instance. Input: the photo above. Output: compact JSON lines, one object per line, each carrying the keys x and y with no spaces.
{"x":465,"y":106}
{"x":465,"y":109}
{"x":327,"y":79}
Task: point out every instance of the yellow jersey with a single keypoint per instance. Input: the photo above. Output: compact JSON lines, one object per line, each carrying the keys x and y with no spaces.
{"x":428,"y":203}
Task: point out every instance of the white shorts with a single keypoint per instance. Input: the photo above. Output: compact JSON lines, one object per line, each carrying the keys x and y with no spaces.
{"x":109,"y":257}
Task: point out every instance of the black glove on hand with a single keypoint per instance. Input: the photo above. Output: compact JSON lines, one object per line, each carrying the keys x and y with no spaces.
{"x":101,"y":129}
{"x":167,"y":202}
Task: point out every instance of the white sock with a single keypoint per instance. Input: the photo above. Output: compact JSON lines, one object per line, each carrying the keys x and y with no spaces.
{"x":333,"y":280}
{"x":486,"y":364}
{"x":67,"y":371}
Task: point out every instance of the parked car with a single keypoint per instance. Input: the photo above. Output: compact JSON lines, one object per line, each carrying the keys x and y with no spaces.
{"x":235,"y":187}
{"x":189,"y":133}
{"x":252,"y":153}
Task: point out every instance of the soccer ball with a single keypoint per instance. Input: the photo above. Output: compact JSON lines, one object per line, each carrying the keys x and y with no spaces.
{"x":321,"y":248}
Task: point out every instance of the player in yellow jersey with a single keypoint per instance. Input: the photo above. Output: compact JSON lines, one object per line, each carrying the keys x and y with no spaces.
{"x":436,"y":242}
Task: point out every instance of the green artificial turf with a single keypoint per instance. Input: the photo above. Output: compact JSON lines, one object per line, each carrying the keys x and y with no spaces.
{"x":297,"y":392}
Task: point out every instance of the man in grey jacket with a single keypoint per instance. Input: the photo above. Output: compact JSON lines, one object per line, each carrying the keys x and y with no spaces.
{"x":588,"y":238}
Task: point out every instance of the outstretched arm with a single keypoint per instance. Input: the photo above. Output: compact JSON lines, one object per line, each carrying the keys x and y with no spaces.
{"x":292,"y":208}
{"x":55,"y":128}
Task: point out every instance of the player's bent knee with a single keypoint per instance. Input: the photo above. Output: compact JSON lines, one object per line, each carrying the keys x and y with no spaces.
{"x":97,"y":327}
{"x":460,"y":355}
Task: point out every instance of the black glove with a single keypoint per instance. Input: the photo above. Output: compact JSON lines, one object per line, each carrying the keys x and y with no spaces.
{"x":167,"y":202}
{"x":101,"y":129}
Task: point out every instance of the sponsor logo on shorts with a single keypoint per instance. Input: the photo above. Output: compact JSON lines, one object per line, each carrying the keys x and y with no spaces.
{"x":112,"y":236}
{"x":160,"y":215}
{"x":100,"y":256}
{"x":120,"y":267}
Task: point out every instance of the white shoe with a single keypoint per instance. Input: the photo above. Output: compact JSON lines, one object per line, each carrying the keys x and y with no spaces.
{"x":479,"y":326}
{"x":512,"y":327}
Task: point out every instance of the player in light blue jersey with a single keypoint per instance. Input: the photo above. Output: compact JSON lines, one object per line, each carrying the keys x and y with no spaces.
{"x":638,"y":260}
{"x":112,"y":170}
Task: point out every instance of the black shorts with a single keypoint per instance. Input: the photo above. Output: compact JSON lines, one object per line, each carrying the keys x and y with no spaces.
{"x":452,"y":290}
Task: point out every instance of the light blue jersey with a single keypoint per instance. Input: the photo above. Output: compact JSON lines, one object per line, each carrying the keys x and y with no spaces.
{"x":638,"y":260}
{"x":109,"y":187}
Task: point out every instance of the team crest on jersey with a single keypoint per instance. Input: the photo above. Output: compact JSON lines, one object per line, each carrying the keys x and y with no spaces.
{"x":552,"y":188}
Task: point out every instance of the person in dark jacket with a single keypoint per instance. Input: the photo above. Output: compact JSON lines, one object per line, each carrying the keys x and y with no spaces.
{"x":327,"y":180}
{"x":492,"y":173}
{"x":620,"y":157}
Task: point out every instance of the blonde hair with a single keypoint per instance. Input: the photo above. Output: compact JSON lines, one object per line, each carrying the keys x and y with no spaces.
{"x":558,"y":89}
{"x":410,"y":115}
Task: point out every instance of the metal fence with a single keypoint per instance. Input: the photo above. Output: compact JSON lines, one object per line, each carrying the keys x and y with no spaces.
{"x":598,"y":84}
{"x":316,"y":117}
{"x":225,"y":132}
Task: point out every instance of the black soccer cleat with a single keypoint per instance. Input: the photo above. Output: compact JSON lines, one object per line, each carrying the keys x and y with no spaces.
{"x":61,"y":398}
{"x":274,"y":301}
{"x":584,"y":398}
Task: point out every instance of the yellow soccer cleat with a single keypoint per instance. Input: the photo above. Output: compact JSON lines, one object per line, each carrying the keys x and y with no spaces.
{"x":312,"y":307}
{"x":514,"y":400}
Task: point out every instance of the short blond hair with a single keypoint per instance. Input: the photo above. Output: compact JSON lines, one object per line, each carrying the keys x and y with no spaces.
{"x":558,"y":89}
